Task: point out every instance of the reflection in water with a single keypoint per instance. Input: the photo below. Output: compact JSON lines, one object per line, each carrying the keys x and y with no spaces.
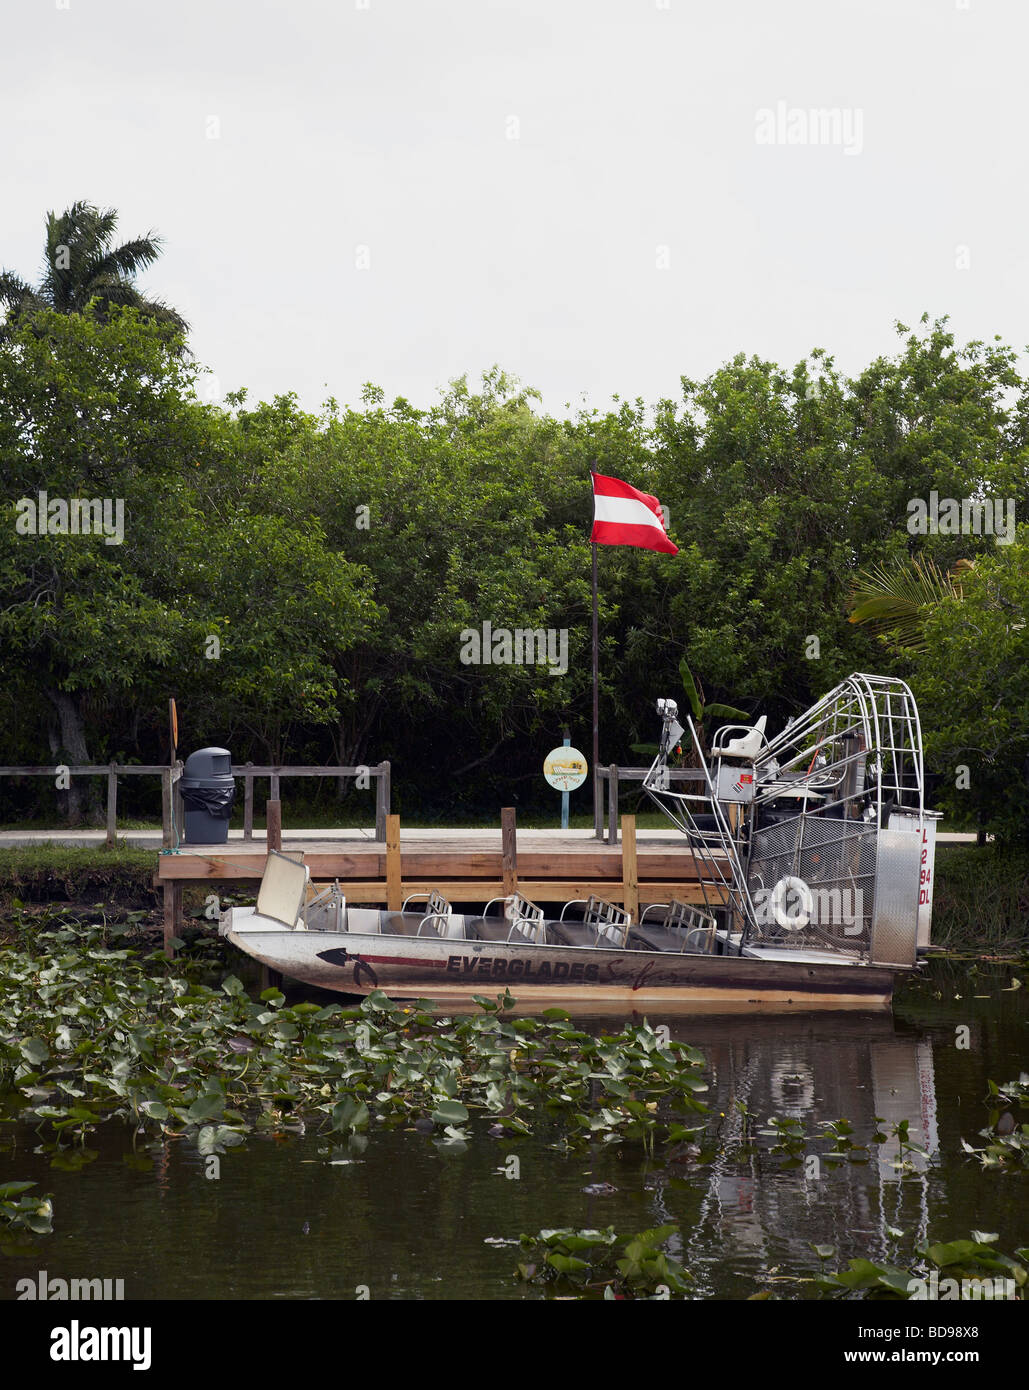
{"x":760,"y":1209}
{"x":411,"y":1218}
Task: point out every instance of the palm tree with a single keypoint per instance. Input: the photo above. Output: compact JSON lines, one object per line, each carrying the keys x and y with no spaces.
{"x":895,"y":602}
{"x":80,"y":265}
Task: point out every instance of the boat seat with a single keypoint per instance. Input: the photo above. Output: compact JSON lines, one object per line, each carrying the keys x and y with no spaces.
{"x":578,"y":934}
{"x":651,"y":937}
{"x":494,"y":929}
{"x":746,"y":746}
{"x":406,"y":924}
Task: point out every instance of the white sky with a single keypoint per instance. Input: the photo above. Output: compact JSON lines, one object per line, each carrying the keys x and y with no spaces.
{"x":386,"y":124}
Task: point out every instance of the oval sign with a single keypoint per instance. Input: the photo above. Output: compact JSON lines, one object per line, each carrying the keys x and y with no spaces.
{"x":565,"y":769}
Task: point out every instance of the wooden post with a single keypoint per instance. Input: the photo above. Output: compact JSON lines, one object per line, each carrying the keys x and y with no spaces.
{"x":612,"y":804}
{"x":509,"y":850}
{"x":172,"y":913}
{"x":394,"y":886}
{"x":273,"y":814}
{"x":166,"y":806}
{"x":630,"y":875}
{"x":248,"y":803}
{"x":381,"y":800}
{"x":112,"y":804}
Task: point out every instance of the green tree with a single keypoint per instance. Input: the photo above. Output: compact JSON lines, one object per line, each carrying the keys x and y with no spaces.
{"x":106,"y":627}
{"x":972,"y":684}
{"x":97,"y":411}
{"x":83,"y":266}
{"x":452,"y":512}
{"x":773,"y":508}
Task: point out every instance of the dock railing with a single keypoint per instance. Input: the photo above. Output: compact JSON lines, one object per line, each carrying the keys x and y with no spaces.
{"x":171,"y":798}
{"x":248,"y":771}
{"x":614,"y":776}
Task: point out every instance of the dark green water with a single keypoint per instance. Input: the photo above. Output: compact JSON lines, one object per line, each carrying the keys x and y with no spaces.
{"x":410,"y":1218}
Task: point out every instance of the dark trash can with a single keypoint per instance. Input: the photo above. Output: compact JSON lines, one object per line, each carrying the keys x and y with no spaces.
{"x":208,"y":791}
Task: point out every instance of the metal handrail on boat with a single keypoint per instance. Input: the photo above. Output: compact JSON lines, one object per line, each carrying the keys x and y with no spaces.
{"x":686,"y":919}
{"x":602,"y":915}
{"x":439,"y":910}
{"x":524,"y":916}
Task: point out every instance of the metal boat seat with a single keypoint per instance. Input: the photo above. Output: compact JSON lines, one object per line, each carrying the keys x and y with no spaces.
{"x":603,"y":924}
{"x":407,"y":924}
{"x":495,"y":929}
{"x":521,"y":922}
{"x":577,"y":934}
{"x":654,"y":938}
{"x":439,"y":916}
{"x":684,"y":927}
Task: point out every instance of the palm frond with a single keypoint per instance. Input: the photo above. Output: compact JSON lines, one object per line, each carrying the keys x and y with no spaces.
{"x":13,"y":289}
{"x":894,"y":601}
{"x":128,"y":259}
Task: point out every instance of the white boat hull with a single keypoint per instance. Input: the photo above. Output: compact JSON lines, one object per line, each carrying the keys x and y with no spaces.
{"x":453,"y":968}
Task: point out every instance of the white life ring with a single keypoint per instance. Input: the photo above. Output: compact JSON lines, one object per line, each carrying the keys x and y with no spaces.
{"x":807,"y":904}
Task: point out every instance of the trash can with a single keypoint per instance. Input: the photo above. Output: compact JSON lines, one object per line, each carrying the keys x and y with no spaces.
{"x":208,"y":791}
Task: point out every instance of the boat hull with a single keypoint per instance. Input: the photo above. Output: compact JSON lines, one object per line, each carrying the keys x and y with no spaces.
{"x":454,"y":969}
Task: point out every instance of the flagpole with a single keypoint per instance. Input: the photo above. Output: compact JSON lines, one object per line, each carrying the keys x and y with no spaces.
{"x":629,"y":517}
{"x":597,"y":801}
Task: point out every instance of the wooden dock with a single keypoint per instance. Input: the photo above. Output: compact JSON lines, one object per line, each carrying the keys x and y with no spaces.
{"x":544,"y":866}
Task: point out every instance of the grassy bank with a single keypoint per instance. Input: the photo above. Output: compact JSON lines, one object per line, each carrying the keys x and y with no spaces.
{"x":62,"y":873}
{"x":981,"y":898}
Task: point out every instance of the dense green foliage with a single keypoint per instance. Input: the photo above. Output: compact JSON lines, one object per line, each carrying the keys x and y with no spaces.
{"x":981,"y":896}
{"x":305,"y":585}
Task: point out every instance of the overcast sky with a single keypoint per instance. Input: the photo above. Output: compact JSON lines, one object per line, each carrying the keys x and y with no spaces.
{"x":599,"y":195}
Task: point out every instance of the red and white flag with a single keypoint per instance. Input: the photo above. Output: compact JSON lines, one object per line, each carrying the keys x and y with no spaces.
{"x":622,"y":515}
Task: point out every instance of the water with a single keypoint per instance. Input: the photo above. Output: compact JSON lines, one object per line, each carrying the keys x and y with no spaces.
{"x":301,"y":1217}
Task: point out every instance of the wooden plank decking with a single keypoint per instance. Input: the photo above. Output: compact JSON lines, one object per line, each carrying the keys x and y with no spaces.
{"x":545,"y":867}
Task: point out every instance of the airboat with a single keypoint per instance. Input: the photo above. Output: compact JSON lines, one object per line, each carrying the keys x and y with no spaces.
{"x":813,"y":851}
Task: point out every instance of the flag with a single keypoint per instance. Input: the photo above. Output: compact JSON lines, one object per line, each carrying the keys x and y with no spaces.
{"x":622,"y":515}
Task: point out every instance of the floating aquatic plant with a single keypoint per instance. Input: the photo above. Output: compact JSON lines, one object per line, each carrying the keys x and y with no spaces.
{"x":1007,"y":1141}
{"x":604,"y":1263}
{"x":958,"y":1269}
{"x":91,"y":1033}
{"x":22,"y":1216}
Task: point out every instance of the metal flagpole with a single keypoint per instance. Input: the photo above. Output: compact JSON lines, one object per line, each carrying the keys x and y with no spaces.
{"x":597,"y":802}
